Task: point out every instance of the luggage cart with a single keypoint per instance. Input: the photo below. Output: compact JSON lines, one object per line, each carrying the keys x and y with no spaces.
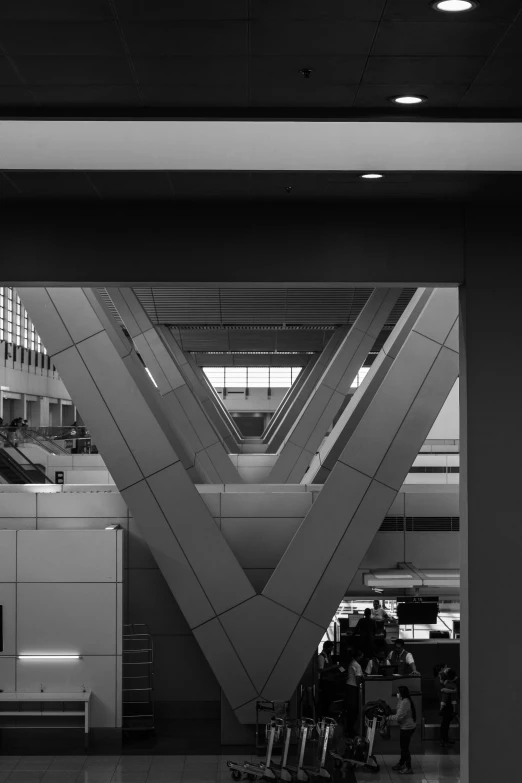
{"x":305,"y":726}
{"x":369,"y":761}
{"x":325,"y":728}
{"x":251,"y":770}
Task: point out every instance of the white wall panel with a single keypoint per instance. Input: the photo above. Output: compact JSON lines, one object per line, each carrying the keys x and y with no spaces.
{"x":385,"y":551}
{"x":66,"y":618}
{"x":7,"y":555}
{"x":81,"y":504}
{"x":66,"y":556}
{"x":8,"y":601}
{"x":16,"y":523}
{"x":17,"y":504}
{"x":433,"y":550}
{"x":95,"y":672}
{"x":7,"y":674}
{"x":266,"y":504}
{"x":80,"y":523}
{"x":440,"y":504}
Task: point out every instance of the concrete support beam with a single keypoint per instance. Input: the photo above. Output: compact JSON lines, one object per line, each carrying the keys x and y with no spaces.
{"x":183,"y":408}
{"x":289,"y":398}
{"x":332,"y":447}
{"x":287,"y":417}
{"x":332,"y":389}
{"x":195,"y":559}
{"x":326,"y":551}
{"x":204,"y":391}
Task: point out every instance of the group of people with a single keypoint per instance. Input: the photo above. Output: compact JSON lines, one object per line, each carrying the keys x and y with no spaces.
{"x":352,"y":674}
{"x":16,"y":423}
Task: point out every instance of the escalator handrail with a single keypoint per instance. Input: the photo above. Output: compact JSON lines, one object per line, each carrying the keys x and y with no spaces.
{"x":5,"y":441}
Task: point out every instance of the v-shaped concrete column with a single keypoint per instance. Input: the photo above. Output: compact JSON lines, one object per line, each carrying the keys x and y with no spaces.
{"x":332,"y":389}
{"x":285,"y":418}
{"x":256,"y":644}
{"x":181,"y":404}
{"x":332,"y":447}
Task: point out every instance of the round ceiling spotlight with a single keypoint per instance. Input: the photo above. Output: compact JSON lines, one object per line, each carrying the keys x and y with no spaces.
{"x":454,"y":6}
{"x":371,"y":175}
{"x":408,"y":100}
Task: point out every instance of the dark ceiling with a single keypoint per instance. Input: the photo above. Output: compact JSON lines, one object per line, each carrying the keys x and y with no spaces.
{"x":95,"y":186}
{"x":244,"y":58}
{"x":260,"y":325}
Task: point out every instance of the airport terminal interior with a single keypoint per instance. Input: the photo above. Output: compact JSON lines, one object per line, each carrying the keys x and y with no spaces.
{"x":259,"y":390}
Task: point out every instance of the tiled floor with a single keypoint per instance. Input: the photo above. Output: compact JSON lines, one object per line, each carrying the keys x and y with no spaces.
{"x":194,"y":769}
{"x":116,"y":769}
{"x":426,"y":769}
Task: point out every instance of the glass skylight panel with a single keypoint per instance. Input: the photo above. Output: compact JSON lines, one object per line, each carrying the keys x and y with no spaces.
{"x":359,"y":378}
{"x":258,"y":377}
{"x":216,"y":376}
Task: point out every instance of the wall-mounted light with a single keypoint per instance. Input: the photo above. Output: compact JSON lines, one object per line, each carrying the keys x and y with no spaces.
{"x":48,"y":657}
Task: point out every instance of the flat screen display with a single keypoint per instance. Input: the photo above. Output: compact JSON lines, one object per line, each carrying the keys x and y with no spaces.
{"x":420,"y":613}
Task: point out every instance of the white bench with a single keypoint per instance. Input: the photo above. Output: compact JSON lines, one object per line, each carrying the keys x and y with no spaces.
{"x":55,"y":718}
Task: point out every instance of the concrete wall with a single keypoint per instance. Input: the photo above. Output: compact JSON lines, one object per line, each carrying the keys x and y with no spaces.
{"x":62,"y":593}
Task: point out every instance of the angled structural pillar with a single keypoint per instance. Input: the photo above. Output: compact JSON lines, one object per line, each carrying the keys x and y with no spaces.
{"x":332,"y":447}
{"x":204,"y":391}
{"x":332,"y":389}
{"x":324,"y":554}
{"x":184,"y":408}
{"x":285,"y":417}
{"x":289,"y":398}
{"x":196,"y":561}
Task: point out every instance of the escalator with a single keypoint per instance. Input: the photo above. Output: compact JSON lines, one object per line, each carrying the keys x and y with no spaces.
{"x":13,"y":473}
{"x":16,"y":468}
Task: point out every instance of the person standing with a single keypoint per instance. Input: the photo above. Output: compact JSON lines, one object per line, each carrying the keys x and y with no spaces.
{"x":448,"y":711}
{"x":379,"y":616}
{"x":405,"y":717}
{"x":328,"y":671}
{"x":402,"y":659}
{"x":365,"y":630}
{"x":354,"y":677}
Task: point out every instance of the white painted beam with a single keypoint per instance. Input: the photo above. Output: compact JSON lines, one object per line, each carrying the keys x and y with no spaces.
{"x":195,"y":145}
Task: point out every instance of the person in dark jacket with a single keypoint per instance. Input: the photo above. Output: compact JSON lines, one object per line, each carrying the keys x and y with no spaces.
{"x":365,"y":631}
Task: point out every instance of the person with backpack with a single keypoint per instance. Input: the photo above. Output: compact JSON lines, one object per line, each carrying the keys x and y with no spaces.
{"x":405,"y":717}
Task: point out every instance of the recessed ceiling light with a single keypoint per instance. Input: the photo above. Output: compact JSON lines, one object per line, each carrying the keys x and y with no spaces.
{"x":371,"y":176}
{"x":408,"y":100}
{"x":454,"y":6}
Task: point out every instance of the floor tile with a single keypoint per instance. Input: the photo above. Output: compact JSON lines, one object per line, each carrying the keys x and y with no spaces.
{"x":168,"y":762}
{"x":130,"y":777}
{"x":68,"y":762}
{"x":103,"y":761}
{"x":26,"y":776}
{"x":4,"y":774}
{"x":133,"y":766}
{"x":8,"y":762}
{"x":95,"y":775}
{"x":164,"y":776}
{"x":35,"y":762}
{"x":198,"y":776}
{"x":60,"y":776}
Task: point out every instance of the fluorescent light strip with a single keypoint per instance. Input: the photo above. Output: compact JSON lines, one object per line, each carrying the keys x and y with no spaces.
{"x":48,"y":657}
